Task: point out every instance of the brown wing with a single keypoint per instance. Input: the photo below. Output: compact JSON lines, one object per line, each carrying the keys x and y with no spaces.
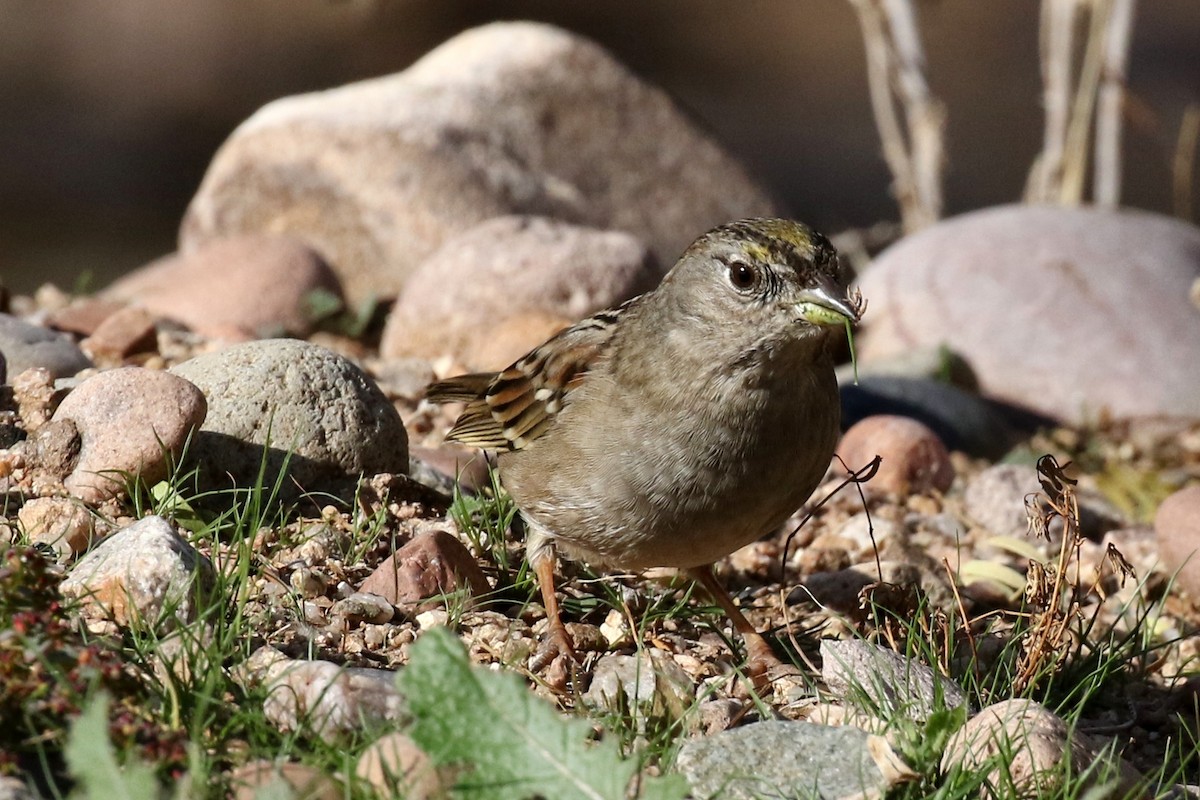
{"x":509,"y":409}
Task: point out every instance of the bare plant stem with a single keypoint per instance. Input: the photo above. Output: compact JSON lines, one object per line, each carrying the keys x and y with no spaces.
{"x":910,"y":119}
{"x":1114,"y":64}
{"x":1183,"y":165}
{"x":1073,"y":101}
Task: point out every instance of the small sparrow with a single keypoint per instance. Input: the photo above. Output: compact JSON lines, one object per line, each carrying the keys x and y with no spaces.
{"x":680,"y":426}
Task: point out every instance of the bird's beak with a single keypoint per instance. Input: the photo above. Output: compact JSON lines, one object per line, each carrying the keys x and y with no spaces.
{"x":829,"y":304}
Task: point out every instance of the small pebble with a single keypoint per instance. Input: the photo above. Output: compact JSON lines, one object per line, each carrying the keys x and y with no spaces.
{"x":913,"y":457}
{"x":1177,"y":530}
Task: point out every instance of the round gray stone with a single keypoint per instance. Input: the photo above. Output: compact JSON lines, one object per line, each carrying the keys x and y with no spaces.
{"x":781,"y":759}
{"x":24,"y":346}
{"x":271,"y":398}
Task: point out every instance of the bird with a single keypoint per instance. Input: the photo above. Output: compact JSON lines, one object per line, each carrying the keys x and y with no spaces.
{"x":679,"y":426}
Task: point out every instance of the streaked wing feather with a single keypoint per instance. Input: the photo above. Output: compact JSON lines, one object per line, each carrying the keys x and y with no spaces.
{"x":510,"y":409}
{"x":460,"y":389}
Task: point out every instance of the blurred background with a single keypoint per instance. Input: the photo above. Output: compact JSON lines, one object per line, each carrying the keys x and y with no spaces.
{"x":110,"y":111}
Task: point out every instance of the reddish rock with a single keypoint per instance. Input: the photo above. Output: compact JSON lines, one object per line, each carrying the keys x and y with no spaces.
{"x":395,"y":766}
{"x":431,"y":565}
{"x":83,"y":316}
{"x":913,"y":457}
{"x":131,"y":421}
{"x":234,"y":288}
{"x":122,"y":334}
{"x":512,"y":338}
{"x":1177,"y":528}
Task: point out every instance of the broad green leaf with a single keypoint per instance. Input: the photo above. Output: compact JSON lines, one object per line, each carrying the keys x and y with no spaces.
{"x":510,"y":744}
{"x":93,"y":762}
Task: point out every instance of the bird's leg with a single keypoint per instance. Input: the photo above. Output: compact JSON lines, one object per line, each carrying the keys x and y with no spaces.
{"x":760,"y":658}
{"x":557,"y":651}
{"x":542,"y":562}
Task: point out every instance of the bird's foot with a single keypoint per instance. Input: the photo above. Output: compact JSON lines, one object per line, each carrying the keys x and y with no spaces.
{"x":763,"y":667}
{"x":556,"y":655}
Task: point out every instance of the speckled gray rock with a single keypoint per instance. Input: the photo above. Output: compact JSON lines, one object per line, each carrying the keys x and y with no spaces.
{"x":328,"y":697}
{"x":131,"y":421}
{"x":240,"y":287}
{"x":889,"y":682}
{"x":25,"y":346}
{"x":1067,"y":311}
{"x":508,"y":118}
{"x":780,"y":759}
{"x":507,"y":267}
{"x":995,"y":498}
{"x":649,"y":685}
{"x":297,"y":397}
{"x":146,"y":575}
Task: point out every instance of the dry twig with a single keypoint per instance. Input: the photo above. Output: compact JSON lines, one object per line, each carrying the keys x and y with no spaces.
{"x":913,"y":148}
{"x":1073,"y":101}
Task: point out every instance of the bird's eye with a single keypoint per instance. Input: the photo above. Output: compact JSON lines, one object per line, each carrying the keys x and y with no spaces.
{"x":742,"y":275}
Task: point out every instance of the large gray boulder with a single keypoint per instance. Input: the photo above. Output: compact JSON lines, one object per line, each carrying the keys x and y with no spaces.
{"x":1070,"y":312}
{"x":508,"y":118}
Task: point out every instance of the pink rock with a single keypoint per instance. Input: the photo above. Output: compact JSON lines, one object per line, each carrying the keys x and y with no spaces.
{"x":1177,"y":528}
{"x":914,"y":458}
{"x":511,"y":338}
{"x":131,"y":421}
{"x":431,"y":565}
{"x":1067,"y":311}
{"x":517,"y":281}
{"x":395,"y":766}
{"x":243,"y":286}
